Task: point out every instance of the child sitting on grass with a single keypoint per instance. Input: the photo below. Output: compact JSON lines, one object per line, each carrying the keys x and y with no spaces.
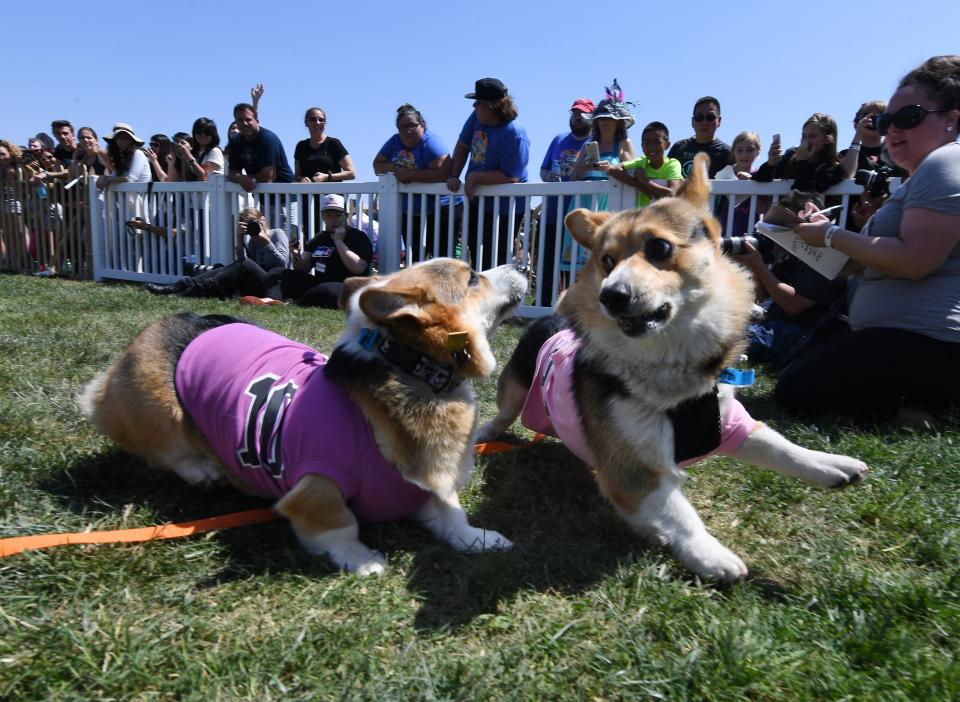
{"x":653,"y":165}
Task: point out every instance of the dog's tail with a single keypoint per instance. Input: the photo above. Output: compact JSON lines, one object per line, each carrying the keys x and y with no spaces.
{"x":89,"y":399}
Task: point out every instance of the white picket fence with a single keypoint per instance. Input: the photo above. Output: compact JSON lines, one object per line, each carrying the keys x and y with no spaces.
{"x":199,"y":220}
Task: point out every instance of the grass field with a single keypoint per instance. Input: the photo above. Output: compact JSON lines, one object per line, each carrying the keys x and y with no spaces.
{"x":853,"y":593}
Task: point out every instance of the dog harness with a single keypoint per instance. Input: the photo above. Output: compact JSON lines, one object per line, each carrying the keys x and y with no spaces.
{"x":272,"y":416}
{"x":550,"y":407}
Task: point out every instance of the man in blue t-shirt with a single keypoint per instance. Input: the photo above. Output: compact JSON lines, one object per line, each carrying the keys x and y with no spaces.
{"x":557,"y":167}
{"x":498,"y":149}
{"x":256,"y":154}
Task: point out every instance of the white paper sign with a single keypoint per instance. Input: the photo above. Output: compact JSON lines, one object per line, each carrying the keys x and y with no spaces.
{"x":826,"y":262}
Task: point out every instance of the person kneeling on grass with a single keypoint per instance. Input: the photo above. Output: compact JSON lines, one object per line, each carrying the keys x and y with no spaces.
{"x":335,"y":254}
{"x":264,"y":253}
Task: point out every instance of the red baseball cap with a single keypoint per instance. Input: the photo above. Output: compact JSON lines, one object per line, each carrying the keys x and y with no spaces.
{"x":585,"y":105}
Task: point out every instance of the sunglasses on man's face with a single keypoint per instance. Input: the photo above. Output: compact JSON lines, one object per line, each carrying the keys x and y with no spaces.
{"x":709,"y":117}
{"x":907,"y":117}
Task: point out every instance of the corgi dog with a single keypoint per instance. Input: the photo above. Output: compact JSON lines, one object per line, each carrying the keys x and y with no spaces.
{"x":626,"y":375}
{"x":383,"y":429}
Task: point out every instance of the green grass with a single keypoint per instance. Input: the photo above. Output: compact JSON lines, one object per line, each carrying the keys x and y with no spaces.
{"x":853,"y":593}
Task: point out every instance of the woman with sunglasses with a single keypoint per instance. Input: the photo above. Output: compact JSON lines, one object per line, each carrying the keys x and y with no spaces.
{"x":199,"y":159}
{"x":321,"y":158}
{"x":901,"y":349}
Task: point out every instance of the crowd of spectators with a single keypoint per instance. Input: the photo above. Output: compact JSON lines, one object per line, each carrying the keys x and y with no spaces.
{"x":906,"y":301}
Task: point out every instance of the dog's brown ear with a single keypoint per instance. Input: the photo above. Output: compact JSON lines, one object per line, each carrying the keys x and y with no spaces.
{"x":696,"y":188}
{"x":351,"y":286}
{"x":391,"y":305}
{"x":583,"y":224}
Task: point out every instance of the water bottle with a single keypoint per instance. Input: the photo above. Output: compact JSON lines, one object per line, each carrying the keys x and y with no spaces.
{"x":68,"y":266}
{"x":41,"y":190}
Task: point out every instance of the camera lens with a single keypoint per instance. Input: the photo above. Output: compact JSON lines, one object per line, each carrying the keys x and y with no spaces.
{"x":736,"y":245}
{"x":253,"y":228}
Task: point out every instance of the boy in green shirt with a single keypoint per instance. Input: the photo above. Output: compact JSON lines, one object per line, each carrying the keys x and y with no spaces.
{"x":654,"y":140}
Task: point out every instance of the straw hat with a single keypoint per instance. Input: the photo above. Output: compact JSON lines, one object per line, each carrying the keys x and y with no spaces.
{"x":122,"y":128}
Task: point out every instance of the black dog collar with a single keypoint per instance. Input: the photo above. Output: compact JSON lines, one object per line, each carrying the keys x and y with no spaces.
{"x":439,"y":377}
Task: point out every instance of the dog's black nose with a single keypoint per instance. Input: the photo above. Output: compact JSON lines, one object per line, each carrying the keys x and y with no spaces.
{"x":616,"y":298}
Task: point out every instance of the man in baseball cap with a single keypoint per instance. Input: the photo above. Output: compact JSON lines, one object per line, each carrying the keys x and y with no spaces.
{"x":557,"y":166}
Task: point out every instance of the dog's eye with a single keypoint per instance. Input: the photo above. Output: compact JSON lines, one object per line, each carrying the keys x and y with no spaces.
{"x":474,"y":279}
{"x":608,"y":263}
{"x":658,"y":249}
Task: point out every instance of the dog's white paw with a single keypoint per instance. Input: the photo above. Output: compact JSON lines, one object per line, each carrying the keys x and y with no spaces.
{"x":833,"y":470}
{"x":707,"y":557}
{"x":357,"y":558}
{"x":198,"y":472}
{"x":473,"y":540}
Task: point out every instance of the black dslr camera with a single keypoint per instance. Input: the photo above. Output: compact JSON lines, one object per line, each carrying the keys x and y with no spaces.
{"x":876,"y":182}
{"x":253,"y":228}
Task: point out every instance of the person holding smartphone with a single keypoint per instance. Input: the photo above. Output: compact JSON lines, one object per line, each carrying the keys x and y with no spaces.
{"x":813,"y":166}
{"x":899,"y":353}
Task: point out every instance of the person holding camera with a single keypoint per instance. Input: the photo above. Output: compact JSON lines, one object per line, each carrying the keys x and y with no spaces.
{"x":865,"y":161}
{"x":795,"y":297}
{"x":262,"y":254}
{"x":901,"y":348}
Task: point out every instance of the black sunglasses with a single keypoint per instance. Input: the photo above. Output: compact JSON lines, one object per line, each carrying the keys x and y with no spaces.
{"x":907,"y":117}
{"x":709,"y":117}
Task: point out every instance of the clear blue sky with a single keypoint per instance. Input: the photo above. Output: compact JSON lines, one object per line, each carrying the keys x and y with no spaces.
{"x":158,"y":66}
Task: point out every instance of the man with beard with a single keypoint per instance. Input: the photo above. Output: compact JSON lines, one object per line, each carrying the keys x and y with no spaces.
{"x":557,"y":167}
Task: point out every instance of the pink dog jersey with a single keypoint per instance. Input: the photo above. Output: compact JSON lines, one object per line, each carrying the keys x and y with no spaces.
{"x":271,"y":415}
{"x":550,"y":407}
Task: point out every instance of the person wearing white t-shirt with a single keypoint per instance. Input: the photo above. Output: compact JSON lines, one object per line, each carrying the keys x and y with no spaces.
{"x":205,"y":157}
{"x":127,"y":162}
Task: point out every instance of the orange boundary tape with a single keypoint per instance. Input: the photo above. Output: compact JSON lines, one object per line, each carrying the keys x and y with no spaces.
{"x":18,"y":544}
